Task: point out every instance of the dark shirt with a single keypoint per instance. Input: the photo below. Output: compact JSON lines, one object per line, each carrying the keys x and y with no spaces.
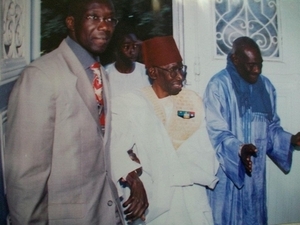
{"x":84,"y":57}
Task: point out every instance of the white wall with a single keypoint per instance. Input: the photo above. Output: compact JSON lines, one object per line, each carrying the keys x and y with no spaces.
{"x":284,"y":190}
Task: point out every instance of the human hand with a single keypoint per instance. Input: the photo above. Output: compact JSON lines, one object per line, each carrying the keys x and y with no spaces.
{"x":295,"y":139}
{"x":137,"y":202}
{"x":247,"y":151}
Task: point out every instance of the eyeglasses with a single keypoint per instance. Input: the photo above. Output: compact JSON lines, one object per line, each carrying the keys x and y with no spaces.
{"x":173,"y":72}
{"x":250,"y":66}
{"x":110,"y":20}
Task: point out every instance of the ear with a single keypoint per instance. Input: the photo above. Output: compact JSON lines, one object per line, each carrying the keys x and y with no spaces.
{"x":70,"y":23}
{"x":234,"y":59}
{"x":152,"y":73}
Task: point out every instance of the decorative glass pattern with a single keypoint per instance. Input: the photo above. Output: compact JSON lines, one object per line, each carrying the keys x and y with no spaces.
{"x":253,"y":18}
{"x":13,"y":28}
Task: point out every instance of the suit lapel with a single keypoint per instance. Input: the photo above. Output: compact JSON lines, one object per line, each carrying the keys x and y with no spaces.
{"x":83,"y":84}
{"x":84,"y":88}
{"x":106,"y":96}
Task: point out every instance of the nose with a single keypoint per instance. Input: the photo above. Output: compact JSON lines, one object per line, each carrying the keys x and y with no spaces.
{"x":105,"y":24}
{"x":102,"y":25}
{"x":256,"y":68}
{"x":134,"y":53}
{"x":181,"y":75}
{"x":133,"y":48}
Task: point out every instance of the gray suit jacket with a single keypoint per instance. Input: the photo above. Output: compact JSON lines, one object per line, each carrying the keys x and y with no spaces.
{"x":57,"y":165}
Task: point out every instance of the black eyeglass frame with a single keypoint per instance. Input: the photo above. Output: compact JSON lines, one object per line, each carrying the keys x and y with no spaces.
{"x":173,"y":72}
{"x":110,"y":20}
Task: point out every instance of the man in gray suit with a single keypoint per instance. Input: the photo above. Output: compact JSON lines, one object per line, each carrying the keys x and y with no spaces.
{"x":56,"y":159}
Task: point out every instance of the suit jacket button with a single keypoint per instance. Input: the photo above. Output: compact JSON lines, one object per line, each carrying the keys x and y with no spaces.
{"x":110,"y":203}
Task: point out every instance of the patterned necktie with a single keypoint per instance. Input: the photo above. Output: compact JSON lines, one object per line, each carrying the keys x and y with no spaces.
{"x":98,"y":86}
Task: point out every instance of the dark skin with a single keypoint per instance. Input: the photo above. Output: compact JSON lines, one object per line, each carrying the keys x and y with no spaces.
{"x":163,"y":85}
{"x":137,"y":202}
{"x":247,"y":151}
{"x":295,"y":139}
{"x":127,"y":53}
{"x":92,"y":34}
{"x":248,"y":61}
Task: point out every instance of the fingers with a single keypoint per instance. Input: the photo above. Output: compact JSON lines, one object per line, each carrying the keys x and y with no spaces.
{"x":248,"y":164}
{"x":134,"y":216}
{"x":137,"y":202}
{"x":133,"y":156}
{"x":136,"y":209}
{"x":295,"y":139}
{"x":247,"y":151}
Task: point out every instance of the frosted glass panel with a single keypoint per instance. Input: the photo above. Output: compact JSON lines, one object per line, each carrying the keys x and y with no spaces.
{"x":254,"y":18}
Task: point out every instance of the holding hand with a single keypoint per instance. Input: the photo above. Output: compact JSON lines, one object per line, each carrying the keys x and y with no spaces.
{"x":247,"y":151}
{"x":137,"y":202}
{"x":295,"y":139}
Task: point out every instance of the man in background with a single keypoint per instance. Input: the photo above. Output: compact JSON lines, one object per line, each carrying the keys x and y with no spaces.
{"x":125,"y":73}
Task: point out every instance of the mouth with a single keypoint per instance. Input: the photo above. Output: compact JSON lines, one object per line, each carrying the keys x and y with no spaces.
{"x":177,"y":85}
{"x":133,"y":59}
{"x":253,"y":77}
{"x":103,"y":39}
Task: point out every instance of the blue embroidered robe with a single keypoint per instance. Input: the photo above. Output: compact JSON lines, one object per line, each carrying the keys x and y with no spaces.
{"x":239,"y":198}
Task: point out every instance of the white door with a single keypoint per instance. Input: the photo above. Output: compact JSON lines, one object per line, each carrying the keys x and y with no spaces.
{"x":195,"y":33}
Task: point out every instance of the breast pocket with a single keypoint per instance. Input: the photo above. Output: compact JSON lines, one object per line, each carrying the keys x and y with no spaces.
{"x":259,"y":132}
{"x":259,"y":128}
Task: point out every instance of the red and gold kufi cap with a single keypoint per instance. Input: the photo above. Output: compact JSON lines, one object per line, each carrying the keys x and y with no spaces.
{"x":160,"y":51}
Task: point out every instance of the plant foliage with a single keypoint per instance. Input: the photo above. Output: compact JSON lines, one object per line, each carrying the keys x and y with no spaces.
{"x":148,"y":22}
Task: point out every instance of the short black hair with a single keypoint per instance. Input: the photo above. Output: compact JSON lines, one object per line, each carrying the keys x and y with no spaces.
{"x":123,"y":28}
{"x":77,"y":7}
{"x":241,"y":43}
